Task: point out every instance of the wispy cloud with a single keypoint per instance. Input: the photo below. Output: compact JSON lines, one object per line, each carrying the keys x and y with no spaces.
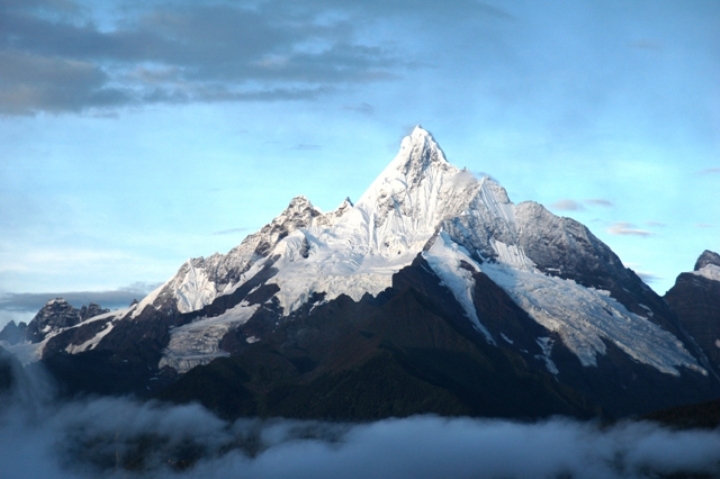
{"x":599,"y":202}
{"x":710,"y":171}
{"x":364,"y":108}
{"x":623,"y":228}
{"x":648,"y":277}
{"x":646,"y":44}
{"x":655,"y":224}
{"x":230,"y":231}
{"x":704,"y":225}
{"x":483,"y":174}
{"x":306,"y":146}
{"x":567,"y":205}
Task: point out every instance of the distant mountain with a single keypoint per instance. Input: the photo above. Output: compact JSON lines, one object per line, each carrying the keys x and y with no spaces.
{"x":13,"y":333}
{"x":433,"y":293}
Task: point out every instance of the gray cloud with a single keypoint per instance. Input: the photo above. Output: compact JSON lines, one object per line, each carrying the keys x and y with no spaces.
{"x":710,"y":171}
{"x":176,"y":53}
{"x":306,"y":146}
{"x":623,"y":228}
{"x":599,"y":202}
{"x":32,"y":302}
{"x":364,"y":108}
{"x":646,"y":44}
{"x":567,"y":205}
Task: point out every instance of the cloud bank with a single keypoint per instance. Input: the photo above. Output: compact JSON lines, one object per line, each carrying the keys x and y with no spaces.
{"x":54,"y":57}
{"x":32,"y":302}
{"x":112,"y":437}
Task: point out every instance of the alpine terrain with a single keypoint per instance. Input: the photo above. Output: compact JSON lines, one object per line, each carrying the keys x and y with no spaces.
{"x":433,"y":293}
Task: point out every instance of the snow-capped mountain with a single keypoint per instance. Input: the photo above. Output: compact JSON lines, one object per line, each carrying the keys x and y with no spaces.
{"x":516,"y":278}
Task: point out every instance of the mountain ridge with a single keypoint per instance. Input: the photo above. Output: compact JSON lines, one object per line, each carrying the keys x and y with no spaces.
{"x":541,"y":299}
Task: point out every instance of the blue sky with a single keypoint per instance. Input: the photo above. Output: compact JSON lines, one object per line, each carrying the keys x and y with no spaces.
{"x":135,"y":135}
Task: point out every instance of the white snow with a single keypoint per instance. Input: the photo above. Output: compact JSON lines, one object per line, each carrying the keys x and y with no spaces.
{"x":546,"y":345}
{"x":92,"y":342}
{"x":196,"y":290}
{"x":709,"y":271}
{"x":355,"y":250}
{"x":445,"y":258}
{"x":198,"y":342}
{"x":147,"y":300}
{"x":583,"y":317}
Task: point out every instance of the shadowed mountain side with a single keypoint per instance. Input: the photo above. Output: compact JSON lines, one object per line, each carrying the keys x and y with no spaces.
{"x":705,"y":415}
{"x":7,"y":364}
{"x":360,"y":361}
{"x":696,"y":300}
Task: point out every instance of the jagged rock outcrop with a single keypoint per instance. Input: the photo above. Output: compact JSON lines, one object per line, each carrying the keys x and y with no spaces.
{"x":695,"y":298}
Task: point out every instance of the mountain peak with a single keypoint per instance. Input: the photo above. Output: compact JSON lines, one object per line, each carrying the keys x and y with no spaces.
{"x":706,"y":258}
{"x":417,"y":152}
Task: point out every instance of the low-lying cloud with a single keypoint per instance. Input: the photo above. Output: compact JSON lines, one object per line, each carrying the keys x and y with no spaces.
{"x":116,"y":437}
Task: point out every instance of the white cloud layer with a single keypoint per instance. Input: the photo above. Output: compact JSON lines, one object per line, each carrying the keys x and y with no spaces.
{"x":106,"y":437}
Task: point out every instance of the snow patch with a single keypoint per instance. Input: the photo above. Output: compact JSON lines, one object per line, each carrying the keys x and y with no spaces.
{"x":512,"y":255}
{"x":583,"y":317}
{"x":198,"y":343}
{"x":450,"y":262}
{"x":92,"y":342}
{"x":546,"y":345}
{"x":147,"y":300}
{"x":195,"y":290}
{"x":709,"y":271}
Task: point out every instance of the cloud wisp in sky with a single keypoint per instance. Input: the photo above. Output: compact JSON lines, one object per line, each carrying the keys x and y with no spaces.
{"x":567,"y":205}
{"x":627,"y":229}
{"x":599,"y":202}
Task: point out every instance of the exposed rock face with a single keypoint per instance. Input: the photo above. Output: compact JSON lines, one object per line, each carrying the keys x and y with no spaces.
{"x":707,"y":258}
{"x":58,"y":314}
{"x":695,"y":298}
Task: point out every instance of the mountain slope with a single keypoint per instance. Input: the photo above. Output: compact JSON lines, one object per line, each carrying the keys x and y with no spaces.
{"x":538,"y":300}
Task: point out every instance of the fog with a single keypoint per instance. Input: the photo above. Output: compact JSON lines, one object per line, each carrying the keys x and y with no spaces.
{"x":125,"y":438}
